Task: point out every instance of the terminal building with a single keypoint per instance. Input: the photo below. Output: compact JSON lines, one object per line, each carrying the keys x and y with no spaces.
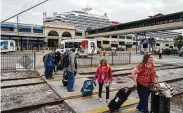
{"x":73,"y":24}
{"x":50,"y":34}
{"x":28,"y":36}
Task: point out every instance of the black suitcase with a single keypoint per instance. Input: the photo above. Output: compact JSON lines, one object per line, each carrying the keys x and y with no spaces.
{"x":65,"y":76}
{"x":120,"y":98}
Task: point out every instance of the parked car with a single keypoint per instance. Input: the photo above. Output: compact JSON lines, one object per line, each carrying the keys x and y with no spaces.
{"x":181,"y":52}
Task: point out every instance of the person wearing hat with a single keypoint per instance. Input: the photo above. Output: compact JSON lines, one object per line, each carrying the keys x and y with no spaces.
{"x":49,"y":64}
{"x":71,"y":70}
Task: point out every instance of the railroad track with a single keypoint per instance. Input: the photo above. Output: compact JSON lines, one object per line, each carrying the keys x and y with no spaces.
{"x":56,"y":101}
{"x":60,"y":100}
{"x":126,"y":72}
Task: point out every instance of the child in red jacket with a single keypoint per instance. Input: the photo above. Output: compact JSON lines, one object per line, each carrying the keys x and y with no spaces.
{"x":104,"y":77}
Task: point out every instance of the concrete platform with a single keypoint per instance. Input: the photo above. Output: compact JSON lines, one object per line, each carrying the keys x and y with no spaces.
{"x":88,"y":104}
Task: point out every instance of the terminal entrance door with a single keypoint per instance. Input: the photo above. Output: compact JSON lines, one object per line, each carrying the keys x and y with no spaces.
{"x":53,"y":43}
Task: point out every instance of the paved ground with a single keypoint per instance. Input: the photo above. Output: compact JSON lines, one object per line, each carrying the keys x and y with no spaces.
{"x":91,"y":104}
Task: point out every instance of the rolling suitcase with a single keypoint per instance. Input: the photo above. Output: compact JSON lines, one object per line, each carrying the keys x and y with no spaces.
{"x":65,"y":78}
{"x":88,"y":87}
{"x":120,"y":98}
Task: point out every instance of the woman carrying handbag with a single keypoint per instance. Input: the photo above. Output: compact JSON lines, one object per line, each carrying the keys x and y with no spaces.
{"x":104,"y":77}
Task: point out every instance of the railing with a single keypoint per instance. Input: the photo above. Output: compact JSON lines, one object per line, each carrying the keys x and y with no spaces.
{"x":112,"y":59}
{"x":18,"y":61}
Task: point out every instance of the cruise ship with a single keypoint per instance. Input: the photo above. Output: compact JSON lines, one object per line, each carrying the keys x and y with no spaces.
{"x":82,"y":19}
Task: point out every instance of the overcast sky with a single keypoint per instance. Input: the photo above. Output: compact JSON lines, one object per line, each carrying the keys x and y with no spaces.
{"x":117,"y":10}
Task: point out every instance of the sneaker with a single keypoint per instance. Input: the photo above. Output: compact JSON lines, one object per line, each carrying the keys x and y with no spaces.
{"x":71,"y":90}
{"x":107,"y":100}
{"x":138,"y":111}
{"x":100,"y":99}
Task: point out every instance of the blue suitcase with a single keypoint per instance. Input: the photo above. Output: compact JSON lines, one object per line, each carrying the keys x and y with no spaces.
{"x":88,"y":87}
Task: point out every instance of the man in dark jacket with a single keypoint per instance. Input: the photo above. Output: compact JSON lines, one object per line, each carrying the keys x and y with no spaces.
{"x":57,"y":57}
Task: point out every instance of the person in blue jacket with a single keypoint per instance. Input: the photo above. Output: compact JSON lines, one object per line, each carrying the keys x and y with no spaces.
{"x":49,"y":64}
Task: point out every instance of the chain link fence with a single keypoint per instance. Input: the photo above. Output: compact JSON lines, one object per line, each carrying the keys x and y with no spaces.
{"x":18,"y":61}
{"x":112,"y":59}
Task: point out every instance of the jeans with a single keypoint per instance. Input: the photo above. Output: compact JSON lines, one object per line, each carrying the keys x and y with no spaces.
{"x":160,"y":55}
{"x":48,"y":72}
{"x":55,"y":67}
{"x":71,"y":80}
{"x":100,"y":91}
{"x":143,"y":93}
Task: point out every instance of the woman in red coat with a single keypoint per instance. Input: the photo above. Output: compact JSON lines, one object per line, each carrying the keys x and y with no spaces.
{"x":104,"y":77}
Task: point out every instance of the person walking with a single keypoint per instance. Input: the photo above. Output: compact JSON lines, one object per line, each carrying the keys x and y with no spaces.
{"x":72,"y":68}
{"x":104,"y":77}
{"x":160,"y":53}
{"x":49,"y":64}
{"x":144,"y":76}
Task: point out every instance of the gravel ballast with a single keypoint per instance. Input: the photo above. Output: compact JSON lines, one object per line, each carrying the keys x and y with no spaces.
{"x":20,"y":82}
{"x":19,"y":74}
{"x":17,"y":97}
{"x":60,"y":108}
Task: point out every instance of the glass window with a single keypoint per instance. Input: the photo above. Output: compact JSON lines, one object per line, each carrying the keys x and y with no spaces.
{"x":7,"y":29}
{"x":105,"y":42}
{"x":157,"y":44}
{"x":121,"y":43}
{"x":114,"y":36}
{"x":128,"y":37}
{"x":76,"y":44}
{"x":25,"y":30}
{"x":38,"y":31}
{"x":11,"y":43}
{"x":71,"y":44}
{"x":114,"y":45}
{"x":99,"y":44}
{"x":134,"y":43}
{"x":122,"y":36}
{"x":66,"y":45}
{"x":106,"y":36}
{"x":166,"y":45}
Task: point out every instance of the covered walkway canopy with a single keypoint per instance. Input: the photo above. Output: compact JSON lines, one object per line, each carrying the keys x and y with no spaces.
{"x":165,"y":22}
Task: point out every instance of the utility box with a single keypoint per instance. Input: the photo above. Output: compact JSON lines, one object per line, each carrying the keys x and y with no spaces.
{"x":160,"y":98}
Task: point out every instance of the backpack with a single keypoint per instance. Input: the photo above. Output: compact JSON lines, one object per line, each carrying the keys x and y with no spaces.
{"x":88,"y":87}
{"x":64,"y":79}
{"x":66,"y":60}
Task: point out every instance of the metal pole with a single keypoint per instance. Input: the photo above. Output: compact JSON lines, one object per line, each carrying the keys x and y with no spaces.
{"x":24,"y":11}
{"x":136,"y":42}
{"x":91,"y":59}
{"x":21,"y":44}
{"x":38,"y":44}
{"x":130,"y":58}
{"x":34,"y":60}
{"x":17,"y":24}
{"x":112,"y":57}
{"x":27,"y":43}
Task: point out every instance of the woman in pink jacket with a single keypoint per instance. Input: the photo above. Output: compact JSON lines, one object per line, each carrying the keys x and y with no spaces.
{"x":104,"y":77}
